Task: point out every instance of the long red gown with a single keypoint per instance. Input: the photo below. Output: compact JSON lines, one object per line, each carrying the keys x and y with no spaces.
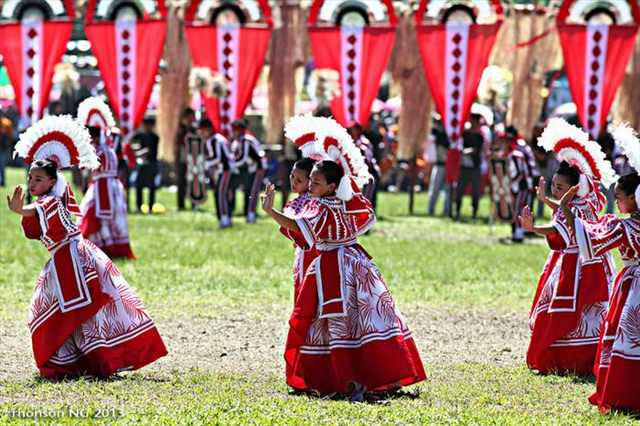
{"x":104,"y":208}
{"x":617,"y":367}
{"x":304,"y":254}
{"x":345,"y":326}
{"x":571,"y":299}
{"x":84,"y":318}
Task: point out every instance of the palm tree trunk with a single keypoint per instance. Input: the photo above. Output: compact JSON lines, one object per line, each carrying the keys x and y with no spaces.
{"x":174,"y":90}
{"x":407,"y":71}
{"x":286,"y":53}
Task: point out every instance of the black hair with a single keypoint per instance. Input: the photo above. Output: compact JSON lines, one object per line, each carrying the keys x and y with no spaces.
{"x":570,"y":172}
{"x":94,"y":131}
{"x":511,"y":131}
{"x":151,"y":121}
{"x":240,"y":123}
{"x":305,"y":164}
{"x":187,"y":112}
{"x":48,"y":166}
{"x":205,"y":124}
{"x":629,"y":183}
{"x":331,"y":171}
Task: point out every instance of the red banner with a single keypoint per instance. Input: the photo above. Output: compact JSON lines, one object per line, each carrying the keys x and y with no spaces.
{"x":360,"y":56}
{"x":128,"y":54}
{"x":31,"y":50}
{"x":238,"y":54}
{"x":454,"y":58}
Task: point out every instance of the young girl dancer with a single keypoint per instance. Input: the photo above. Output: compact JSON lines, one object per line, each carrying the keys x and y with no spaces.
{"x":617,"y":366}
{"x":104,"y":206}
{"x":345,"y":334}
{"x":571,"y":298}
{"x":304,"y":254}
{"x":84,"y":318}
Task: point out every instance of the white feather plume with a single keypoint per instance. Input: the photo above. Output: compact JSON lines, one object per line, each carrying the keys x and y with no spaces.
{"x":299,"y":126}
{"x":558,"y":129}
{"x":628,"y":140}
{"x":324,"y":127}
{"x":26,"y":146}
{"x":95,"y":104}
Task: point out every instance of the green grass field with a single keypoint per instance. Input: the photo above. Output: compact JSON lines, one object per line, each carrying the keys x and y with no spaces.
{"x":221,"y":300}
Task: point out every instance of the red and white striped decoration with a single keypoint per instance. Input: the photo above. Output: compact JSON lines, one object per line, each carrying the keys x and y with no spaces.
{"x":32,"y":51}
{"x":596,"y":53}
{"x":125,"y":41}
{"x":456,"y":63}
{"x":351,"y":63}
{"x":228,"y":61}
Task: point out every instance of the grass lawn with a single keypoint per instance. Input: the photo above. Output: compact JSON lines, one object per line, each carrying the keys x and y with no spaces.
{"x":221,"y":300}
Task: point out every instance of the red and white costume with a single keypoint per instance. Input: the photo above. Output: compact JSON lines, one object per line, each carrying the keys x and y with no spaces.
{"x":571,"y":299}
{"x":572,"y":294}
{"x":104,"y":206}
{"x":345,"y":327}
{"x":304,"y":254}
{"x":84,"y":318}
{"x":617,"y":366}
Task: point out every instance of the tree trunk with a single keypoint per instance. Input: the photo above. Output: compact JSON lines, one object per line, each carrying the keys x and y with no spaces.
{"x":407,"y":70}
{"x":174,"y":90}
{"x":286,"y":53}
{"x":628,"y":103}
{"x":528,"y":64}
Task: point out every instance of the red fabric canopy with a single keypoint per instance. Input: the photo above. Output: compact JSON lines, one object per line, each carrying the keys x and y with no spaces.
{"x":128,"y":54}
{"x":360,"y":56}
{"x":238,"y":53}
{"x":595,"y":58}
{"x":454,"y":57}
{"x":30,"y":51}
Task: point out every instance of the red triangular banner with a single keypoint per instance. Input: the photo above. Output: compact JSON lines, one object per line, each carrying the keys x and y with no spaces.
{"x":128,"y":54}
{"x":30,"y":51}
{"x":595,"y":57}
{"x":454,"y":57}
{"x":360,"y":56}
{"x":238,"y":54}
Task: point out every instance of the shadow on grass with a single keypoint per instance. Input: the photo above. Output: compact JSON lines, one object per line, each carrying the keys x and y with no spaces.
{"x":583,"y":380}
{"x":369,"y":397}
{"x":115,"y":378}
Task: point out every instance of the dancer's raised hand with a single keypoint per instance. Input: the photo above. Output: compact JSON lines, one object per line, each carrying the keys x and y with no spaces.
{"x":542,"y":190}
{"x":268,"y":198}
{"x":526,"y":219}
{"x":16,"y":201}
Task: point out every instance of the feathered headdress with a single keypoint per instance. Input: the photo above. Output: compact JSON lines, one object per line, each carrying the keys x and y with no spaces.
{"x":572,"y":145}
{"x":627,"y":138}
{"x":94,"y":112}
{"x":322,"y":138}
{"x":64,"y":141}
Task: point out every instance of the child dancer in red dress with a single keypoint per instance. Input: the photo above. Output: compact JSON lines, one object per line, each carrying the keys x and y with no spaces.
{"x":346,"y":334}
{"x":617,"y":366}
{"x":572,"y":295}
{"x":304,"y":253}
{"x":104,"y":206}
{"x":84,"y":318}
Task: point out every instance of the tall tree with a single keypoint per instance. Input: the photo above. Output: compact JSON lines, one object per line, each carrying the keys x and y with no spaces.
{"x":174,"y":80}
{"x":287,"y":52}
{"x":407,"y":71}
